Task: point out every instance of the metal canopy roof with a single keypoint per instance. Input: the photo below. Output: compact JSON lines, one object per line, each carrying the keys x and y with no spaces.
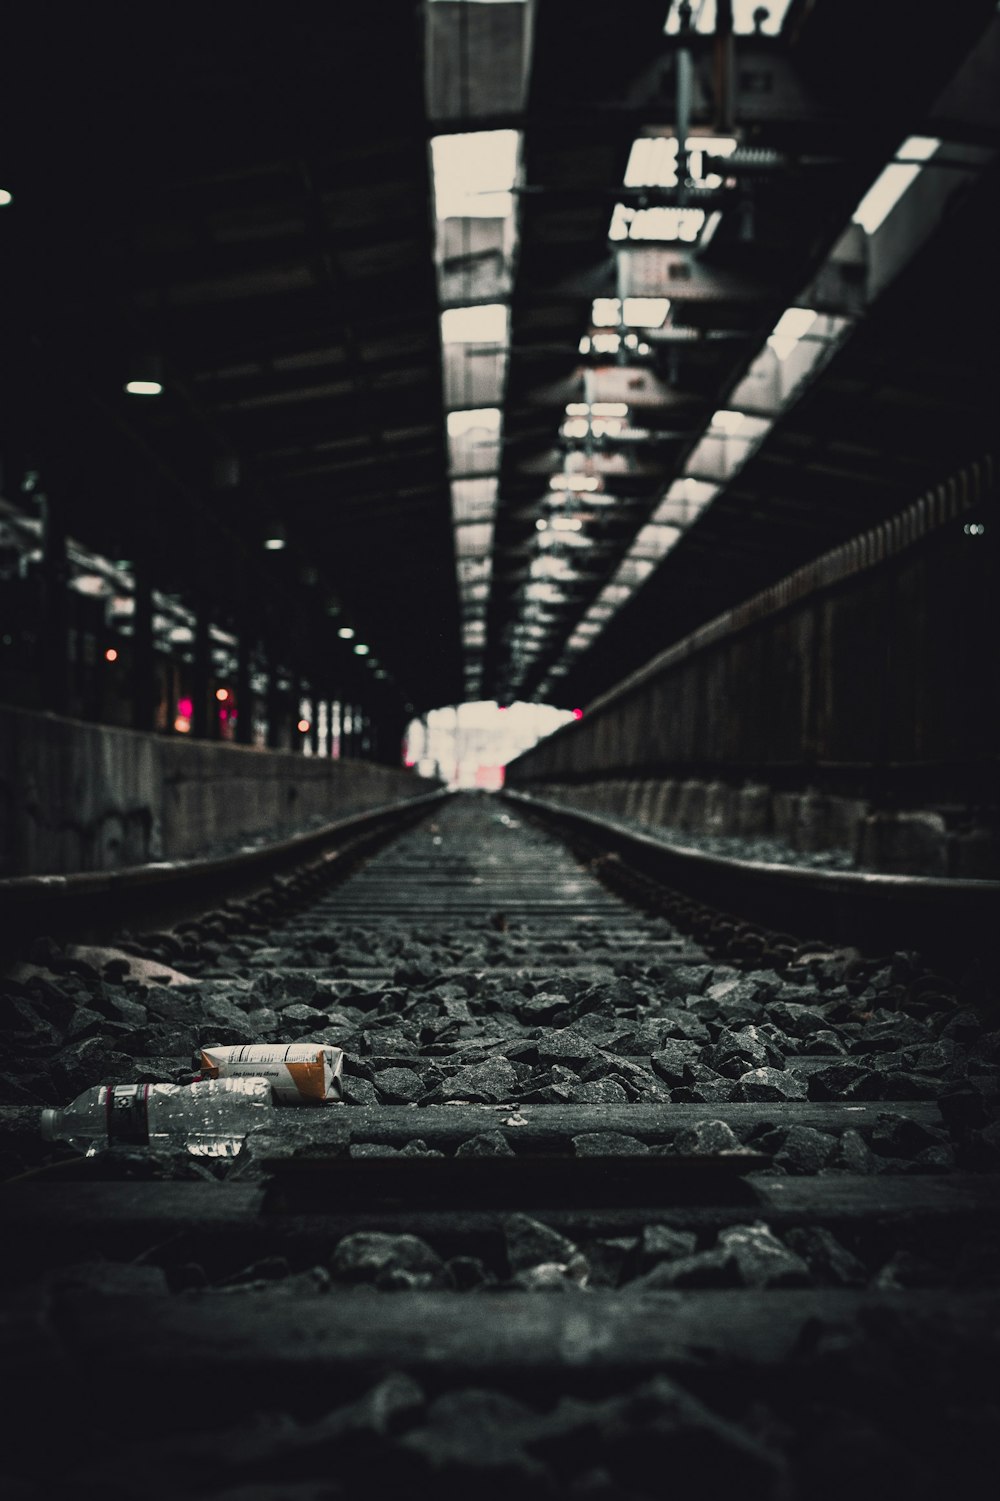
{"x":249,"y":195}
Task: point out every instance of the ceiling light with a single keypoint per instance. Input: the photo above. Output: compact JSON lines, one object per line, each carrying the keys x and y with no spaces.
{"x":360,"y":649}
{"x":274,"y":541}
{"x":5,"y":197}
{"x":346,"y":633}
{"x":146,"y":377}
{"x":609,"y":409}
{"x":541,"y":525}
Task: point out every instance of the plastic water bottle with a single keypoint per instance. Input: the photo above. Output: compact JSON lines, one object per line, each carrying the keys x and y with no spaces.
{"x":211,"y":1117}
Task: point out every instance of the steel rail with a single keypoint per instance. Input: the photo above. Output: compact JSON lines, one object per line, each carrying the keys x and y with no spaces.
{"x":92,"y":903}
{"x":868,"y":910}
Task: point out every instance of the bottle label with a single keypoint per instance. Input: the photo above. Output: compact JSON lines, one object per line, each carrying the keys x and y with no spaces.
{"x":299,"y":1073}
{"x":127,"y":1115}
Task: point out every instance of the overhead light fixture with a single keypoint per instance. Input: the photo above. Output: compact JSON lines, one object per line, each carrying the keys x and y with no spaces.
{"x":5,"y":198}
{"x":346,"y":633}
{"x":274,"y":541}
{"x":147,"y":376}
{"x":360,"y":649}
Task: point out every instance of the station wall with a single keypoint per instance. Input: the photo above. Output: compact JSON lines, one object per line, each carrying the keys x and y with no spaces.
{"x":851,"y":705}
{"x":77,"y":796}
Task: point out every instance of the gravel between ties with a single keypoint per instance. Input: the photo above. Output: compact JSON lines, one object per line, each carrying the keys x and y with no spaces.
{"x":481,"y":1000}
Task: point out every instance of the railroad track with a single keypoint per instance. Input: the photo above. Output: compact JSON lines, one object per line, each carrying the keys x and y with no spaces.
{"x":602,"y":1208}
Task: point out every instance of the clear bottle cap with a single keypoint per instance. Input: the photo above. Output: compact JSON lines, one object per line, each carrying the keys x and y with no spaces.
{"x":50,"y":1120}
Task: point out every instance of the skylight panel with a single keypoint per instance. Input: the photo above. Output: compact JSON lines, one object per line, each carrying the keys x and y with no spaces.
{"x":684,"y":501}
{"x":645,"y":312}
{"x":473,"y":570}
{"x":486,"y":419}
{"x":893,"y":181}
{"x":473,"y":499}
{"x":694,"y":491}
{"x":662,"y":223}
{"x":633,"y":571}
{"x":473,"y":174}
{"x":792,"y":326}
{"x":544,"y":592}
{"x":704,"y":13}
{"x":614,"y":595}
{"x":546,"y":567}
{"x":485,"y":324}
{"x":563,"y":539}
{"x":730,"y":423}
{"x":473,"y":541}
{"x":655,"y":540}
{"x":652,"y":161}
{"x":606,"y":312}
{"x":581,"y":482}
